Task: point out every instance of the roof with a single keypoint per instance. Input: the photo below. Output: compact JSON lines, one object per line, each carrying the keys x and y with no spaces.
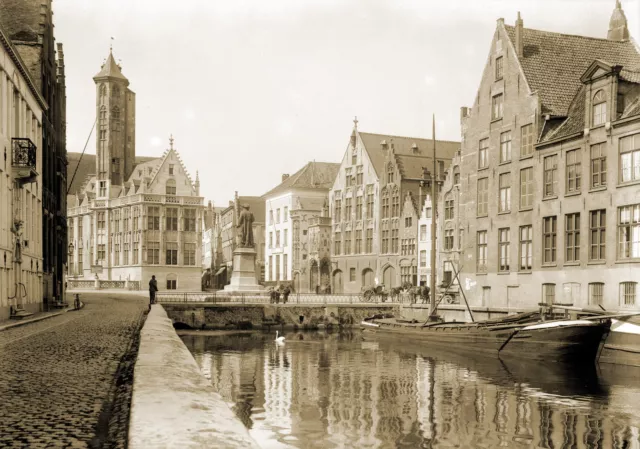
{"x":110,"y":69}
{"x":86,"y":165}
{"x":314,"y":175}
{"x":553,"y":63}
{"x":409,"y":160}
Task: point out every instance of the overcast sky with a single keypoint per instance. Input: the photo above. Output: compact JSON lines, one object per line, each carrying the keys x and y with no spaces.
{"x":251,"y":89}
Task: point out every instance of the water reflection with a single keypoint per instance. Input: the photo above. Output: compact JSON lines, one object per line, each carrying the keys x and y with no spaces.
{"x":340,"y":391}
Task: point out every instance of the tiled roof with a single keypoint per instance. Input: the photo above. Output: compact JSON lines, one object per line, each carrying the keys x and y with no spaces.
{"x":553,"y":63}
{"x":110,"y":69}
{"x":314,"y":175}
{"x":410,"y":161}
{"x":87,"y":167}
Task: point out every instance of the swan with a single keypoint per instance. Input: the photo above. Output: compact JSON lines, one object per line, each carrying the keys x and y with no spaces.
{"x":279,"y":339}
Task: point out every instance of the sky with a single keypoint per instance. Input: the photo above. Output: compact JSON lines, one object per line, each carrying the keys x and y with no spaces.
{"x":253,"y":89}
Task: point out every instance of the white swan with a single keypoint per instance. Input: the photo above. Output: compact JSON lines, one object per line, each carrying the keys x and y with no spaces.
{"x":279,"y":339}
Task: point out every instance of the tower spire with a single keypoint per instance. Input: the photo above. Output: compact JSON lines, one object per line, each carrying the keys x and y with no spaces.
{"x":618,"y":30}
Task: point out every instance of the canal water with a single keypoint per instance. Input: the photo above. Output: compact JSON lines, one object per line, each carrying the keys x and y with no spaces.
{"x":342,"y":390}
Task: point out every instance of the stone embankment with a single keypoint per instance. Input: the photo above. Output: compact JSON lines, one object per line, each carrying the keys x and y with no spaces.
{"x":173,"y":404}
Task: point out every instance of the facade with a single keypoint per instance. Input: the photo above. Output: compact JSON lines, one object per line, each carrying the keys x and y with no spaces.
{"x":551,"y":171}
{"x":29,"y":25}
{"x":319,"y":242}
{"x":21,"y":115}
{"x":132,"y":219}
{"x":289,"y":207}
{"x":374,"y":209}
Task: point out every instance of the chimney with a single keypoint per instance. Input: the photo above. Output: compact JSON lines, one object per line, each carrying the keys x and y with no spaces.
{"x":464,"y":112}
{"x":383,"y":144}
{"x":519,"y":37}
{"x":284,"y":177}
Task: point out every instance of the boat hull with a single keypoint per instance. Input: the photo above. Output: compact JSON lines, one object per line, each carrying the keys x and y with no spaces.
{"x":574,"y":342}
{"x":622,"y":345}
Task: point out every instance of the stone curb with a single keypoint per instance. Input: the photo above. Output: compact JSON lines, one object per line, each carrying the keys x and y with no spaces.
{"x":173,"y":405}
{"x":29,"y":321}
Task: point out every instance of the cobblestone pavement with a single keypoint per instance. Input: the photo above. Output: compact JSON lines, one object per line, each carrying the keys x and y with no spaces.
{"x":65,"y":381}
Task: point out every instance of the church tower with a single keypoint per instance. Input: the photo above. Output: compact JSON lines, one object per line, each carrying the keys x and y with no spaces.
{"x":618,"y":30}
{"x":115,"y":137}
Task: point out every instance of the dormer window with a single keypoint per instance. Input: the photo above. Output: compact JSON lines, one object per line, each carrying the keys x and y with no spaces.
{"x":599,"y":109}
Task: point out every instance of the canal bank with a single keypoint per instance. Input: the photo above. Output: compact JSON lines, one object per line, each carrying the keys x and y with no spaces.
{"x":173,"y":405}
{"x":261,"y":316}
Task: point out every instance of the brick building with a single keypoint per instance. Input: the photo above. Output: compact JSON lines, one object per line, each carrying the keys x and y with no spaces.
{"x":550,"y":171}
{"x":374,"y":207}
{"x":21,"y":110}
{"x":29,"y":25}
{"x":289,"y":207}
{"x":131,"y":218}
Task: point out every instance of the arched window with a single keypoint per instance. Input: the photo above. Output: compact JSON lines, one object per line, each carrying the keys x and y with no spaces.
{"x":171,"y":187}
{"x":103,"y":92}
{"x":115,"y":92}
{"x":390,"y":173}
{"x":599,"y":108}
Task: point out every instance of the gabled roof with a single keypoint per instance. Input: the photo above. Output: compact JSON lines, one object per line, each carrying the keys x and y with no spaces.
{"x":409,"y":160}
{"x":110,"y":69}
{"x":553,"y":63}
{"x":314,"y":175}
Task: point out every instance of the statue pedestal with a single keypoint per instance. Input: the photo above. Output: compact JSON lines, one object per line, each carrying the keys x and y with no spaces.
{"x":243,"y":277}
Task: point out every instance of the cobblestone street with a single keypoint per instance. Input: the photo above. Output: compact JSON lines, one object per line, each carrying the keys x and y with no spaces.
{"x":65,"y":382}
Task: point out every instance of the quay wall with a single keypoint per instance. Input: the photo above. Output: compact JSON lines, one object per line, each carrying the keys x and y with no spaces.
{"x":173,"y":405}
{"x":258,"y":316}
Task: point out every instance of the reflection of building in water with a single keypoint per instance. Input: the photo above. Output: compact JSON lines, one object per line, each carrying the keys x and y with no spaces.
{"x":425,"y":385}
{"x":278,"y":387}
{"x":306,"y":411}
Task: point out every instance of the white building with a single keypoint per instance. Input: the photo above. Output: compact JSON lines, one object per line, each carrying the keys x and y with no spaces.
{"x":21,"y":108}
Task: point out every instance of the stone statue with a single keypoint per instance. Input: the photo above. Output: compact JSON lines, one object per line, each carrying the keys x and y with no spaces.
{"x":245,"y":225}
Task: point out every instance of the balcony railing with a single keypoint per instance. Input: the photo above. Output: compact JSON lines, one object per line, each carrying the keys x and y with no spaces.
{"x":24,"y":153}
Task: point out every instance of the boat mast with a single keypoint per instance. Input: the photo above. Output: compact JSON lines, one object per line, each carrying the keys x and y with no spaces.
{"x":432,"y":293}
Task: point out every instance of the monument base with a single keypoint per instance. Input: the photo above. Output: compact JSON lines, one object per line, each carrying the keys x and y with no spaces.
{"x":243,"y":277}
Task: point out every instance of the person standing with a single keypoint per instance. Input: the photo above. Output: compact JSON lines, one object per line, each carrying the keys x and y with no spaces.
{"x":153,"y":288}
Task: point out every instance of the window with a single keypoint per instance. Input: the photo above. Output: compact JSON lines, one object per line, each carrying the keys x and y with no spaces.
{"x":628,"y":293}
{"x":271,"y":240}
{"x":337,"y":210}
{"x":369,"y":244}
{"x":599,"y":108}
{"x":101,"y":220}
{"x":526,"y":248}
{"x":630,"y":158}
{"x":172,"y":284}
{"x":574,"y":171}
{"x":277,"y":239}
{"x":136,"y":259}
{"x":102,"y":186}
{"x":448,"y":239}
{"x":448,"y":208}
{"x":347,"y":209}
{"x":423,"y":233}
{"x":189,"y":253}
{"x":271,"y":217}
{"x":172,"y":253}
{"x":394,"y":241}
{"x":505,"y":147}
{"x":395,"y":205}
{"x":285,"y":215}
{"x":277,"y":268}
{"x":101,"y":251}
{"x":549,"y":225}
{"x":359,"y":208}
{"x":551,"y":175}
{"x":153,"y":253}
{"x":499,"y":68}
{"x":481,"y":257}
{"x":505,"y":192}
{"x":115,"y":119}
{"x":598,"y":166}
{"x":352,"y":274}
{"x":336,"y":242}
{"x":171,"y":169}
{"x":390,"y":174}
{"x":526,"y":140}
{"x":423,"y":258}
{"x":496,"y":107}
{"x":629,"y":232}
{"x":596,"y":292}
{"x":285,"y":241}
{"x":385,"y":241}
{"x":277,"y":215}
{"x":285,"y":268}
{"x":456,"y":175}
{"x":359,"y":176}
{"x":483,"y":197}
{"x":347,"y":242}
{"x":189,"y":217}
{"x":526,"y":188}
{"x":358,"y":249}
{"x":483,"y":154}
{"x":171,"y":219}
{"x":80,"y":262}
{"x":354,"y":157}
{"x":385,"y":205}
{"x":597,"y":234}
{"x":126,"y":254}
{"x":548,"y":293}
{"x":407,"y":222}
{"x":369,"y":202}
{"x":347,"y":177}
{"x":153,"y":219}
{"x":503,"y":246}
{"x":572,"y":237}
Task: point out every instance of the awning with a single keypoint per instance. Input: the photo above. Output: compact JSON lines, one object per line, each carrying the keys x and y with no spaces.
{"x":219,"y":272}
